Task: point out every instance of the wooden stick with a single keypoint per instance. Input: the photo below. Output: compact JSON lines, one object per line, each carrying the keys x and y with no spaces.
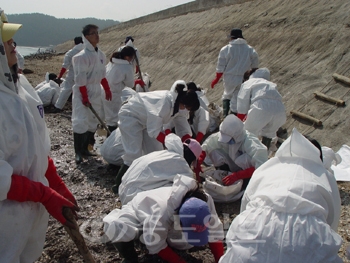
{"x":328,"y":98}
{"x":77,"y":237}
{"x":315,"y":121}
{"x":341,"y":78}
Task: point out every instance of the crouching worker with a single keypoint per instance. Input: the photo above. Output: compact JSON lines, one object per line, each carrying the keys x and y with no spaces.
{"x":50,"y":91}
{"x":159,"y":168}
{"x":290,"y":210}
{"x":234,"y":149}
{"x":30,"y":188}
{"x":178,"y":216}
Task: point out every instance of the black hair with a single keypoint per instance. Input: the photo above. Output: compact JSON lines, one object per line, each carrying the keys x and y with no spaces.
{"x":78,"y":40}
{"x":189,"y":98}
{"x":192,"y":86}
{"x":127,"y":51}
{"x":14,"y":43}
{"x":87,"y":28}
{"x":52,"y":76}
{"x":316,"y":144}
{"x":248,"y":73}
{"x":188,"y":154}
{"x":14,"y":72}
{"x":196,"y":193}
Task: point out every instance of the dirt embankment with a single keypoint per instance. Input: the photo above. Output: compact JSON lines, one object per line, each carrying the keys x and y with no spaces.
{"x":302,"y":43}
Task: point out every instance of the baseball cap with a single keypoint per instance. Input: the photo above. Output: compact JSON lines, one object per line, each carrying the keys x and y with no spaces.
{"x":194,"y":146}
{"x":8,"y":30}
{"x":194,"y":217}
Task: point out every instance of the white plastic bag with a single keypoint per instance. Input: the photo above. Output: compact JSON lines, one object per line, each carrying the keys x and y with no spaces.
{"x":220,"y":193}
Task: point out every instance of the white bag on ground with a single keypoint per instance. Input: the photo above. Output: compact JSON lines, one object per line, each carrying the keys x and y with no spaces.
{"x":220,"y":193}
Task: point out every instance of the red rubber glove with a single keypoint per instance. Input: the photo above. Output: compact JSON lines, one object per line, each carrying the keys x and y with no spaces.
{"x":137,"y":69}
{"x":161,"y":137}
{"x":84,"y":95}
{"x":56,"y":183}
{"x":244,"y":174}
{"x":140,"y":82}
{"x":170,"y":256}
{"x":185,"y":137}
{"x":167,"y":131}
{"x":216,"y":80}
{"x":107,"y":89}
{"x":63,"y":70}
{"x":199,"y":137}
{"x":22,"y":189}
{"x":198,"y":168}
{"x":242,"y":117}
{"x":217,"y":249}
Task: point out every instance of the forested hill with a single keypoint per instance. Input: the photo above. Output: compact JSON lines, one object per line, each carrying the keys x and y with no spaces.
{"x":44,"y":30}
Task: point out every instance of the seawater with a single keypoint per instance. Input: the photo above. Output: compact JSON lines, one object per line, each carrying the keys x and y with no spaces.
{"x":26,"y":51}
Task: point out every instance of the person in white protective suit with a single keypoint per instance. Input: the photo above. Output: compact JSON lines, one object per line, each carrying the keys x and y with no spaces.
{"x":159,"y":168}
{"x":198,"y":120}
{"x":141,"y":120}
{"x":50,"y":92}
{"x":233,"y":149}
{"x":30,"y":187}
{"x":89,"y":74}
{"x":177,"y":216}
{"x":129,"y":41}
{"x":290,"y":210}
{"x":119,"y":74}
{"x":48,"y":76}
{"x":67,"y":66}
{"x":260,"y":105}
{"x":234,"y":59}
{"x":20,"y":60}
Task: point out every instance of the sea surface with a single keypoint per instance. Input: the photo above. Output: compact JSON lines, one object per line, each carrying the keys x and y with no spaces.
{"x":26,"y":51}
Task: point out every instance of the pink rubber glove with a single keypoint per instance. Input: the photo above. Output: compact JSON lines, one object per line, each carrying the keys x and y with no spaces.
{"x":22,"y":190}
{"x":199,"y":137}
{"x":56,"y":183}
{"x":63,"y":70}
{"x":242,"y":117}
{"x":170,"y":256}
{"x":217,"y":249}
{"x":161,"y":137}
{"x":244,"y":174}
{"x":84,"y":95}
{"x":107,"y":89}
{"x":140,"y":82}
{"x":216,"y":80}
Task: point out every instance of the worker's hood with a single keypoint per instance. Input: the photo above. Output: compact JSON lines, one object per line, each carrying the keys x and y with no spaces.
{"x":173,"y":143}
{"x":262,"y":73}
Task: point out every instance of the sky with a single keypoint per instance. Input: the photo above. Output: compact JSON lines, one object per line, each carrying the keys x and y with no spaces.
{"x":121,"y":10}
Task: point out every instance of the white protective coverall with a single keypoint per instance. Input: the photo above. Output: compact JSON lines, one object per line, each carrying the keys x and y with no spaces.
{"x":43,"y":82}
{"x":289,"y":212}
{"x":89,"y":70}
{"x":119,"y":74}
{"x":152,"y":214}
{"x":20,"y":60}
{"x":153,"y":170}
{"x":69,"y":81}
{"x":233,"y":61}
{"x":141,"y":119}
{"x":49,"y":93}
{"x":259,"y":99}
{"x":24,"y":148}
{"x":112,"y":148}
{"x":247,"y":151}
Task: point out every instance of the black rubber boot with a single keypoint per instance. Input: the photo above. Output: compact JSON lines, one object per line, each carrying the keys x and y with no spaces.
{"x":78,"y":146}
{"x":118,"y":178}
{"x":127,"y":251}
{"x":266,"y":141}
{"x":88,"y":136}
{"x":111,"y":129}
{"x":225,"y":107}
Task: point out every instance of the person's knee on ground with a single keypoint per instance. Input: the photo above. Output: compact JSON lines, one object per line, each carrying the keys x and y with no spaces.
{"x":118,"y":178}
{"x":127,"y":251}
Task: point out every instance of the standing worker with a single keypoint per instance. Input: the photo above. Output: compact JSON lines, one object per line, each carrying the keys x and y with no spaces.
{"x":89,"y":75}
{"x":30,"y":187}
{"x":261,"y":104}
{"x":119,"y":74}
{"x":67,"y":65}
{"x":234,"y":60}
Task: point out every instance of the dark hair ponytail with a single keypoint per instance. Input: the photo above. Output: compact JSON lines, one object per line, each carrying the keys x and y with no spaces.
{"x":126,"y":51}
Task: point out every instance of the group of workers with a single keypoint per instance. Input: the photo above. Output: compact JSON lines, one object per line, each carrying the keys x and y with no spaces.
{"x":291,"y":206}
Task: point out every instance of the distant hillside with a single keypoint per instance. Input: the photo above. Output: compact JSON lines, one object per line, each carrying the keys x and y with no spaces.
{"x":44,"y":30}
